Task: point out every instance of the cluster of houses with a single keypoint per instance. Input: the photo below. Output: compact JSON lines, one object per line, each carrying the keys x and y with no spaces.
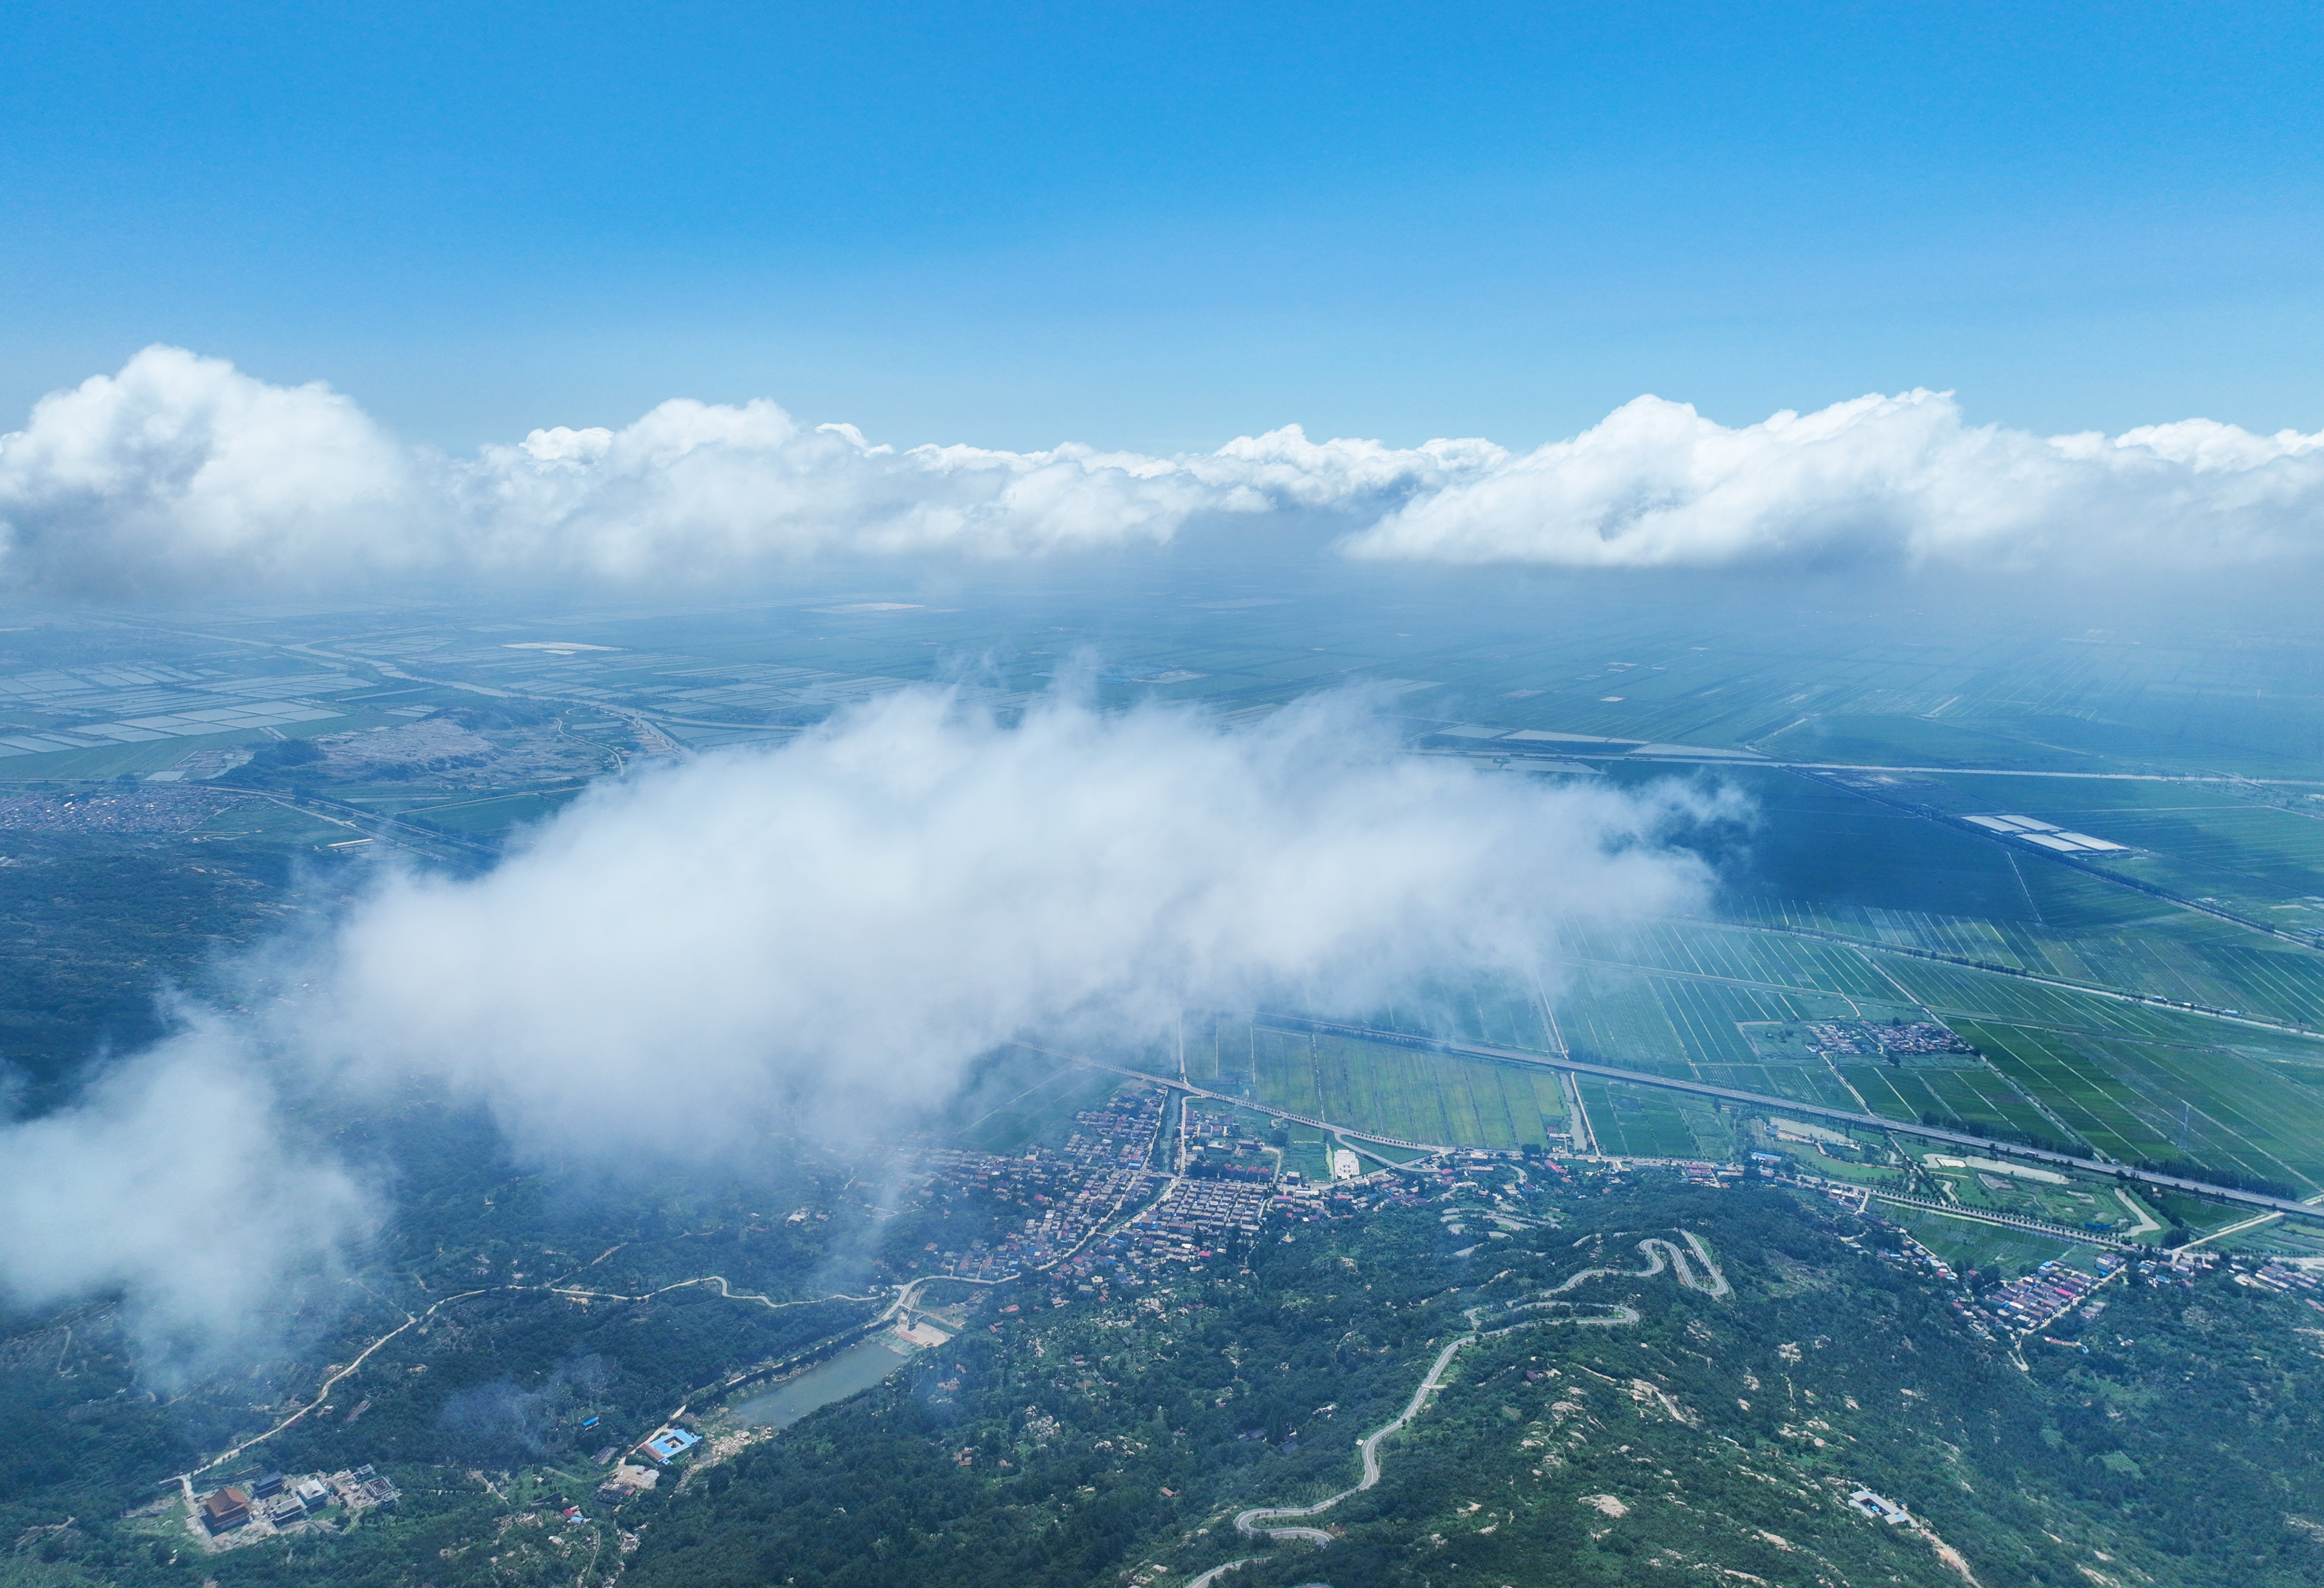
{"x":2032,"y":1300}
{"x":1057,"y":1196}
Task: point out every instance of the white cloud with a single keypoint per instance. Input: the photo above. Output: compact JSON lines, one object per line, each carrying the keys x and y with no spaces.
{"x":825,"y":935}
{"x":846,"y":921}
{"x":693,"y":488}
{"x":180,"y":472}
{"x":171,"y":1182}
{"x":1885,"y":479}
{"x":181,"y":475}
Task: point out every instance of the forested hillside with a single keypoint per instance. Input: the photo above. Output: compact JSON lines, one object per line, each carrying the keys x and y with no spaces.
{"x":1728,"y":1432}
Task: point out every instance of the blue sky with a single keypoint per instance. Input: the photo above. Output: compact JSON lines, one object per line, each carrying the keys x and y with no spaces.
{"x":1157,"y":227}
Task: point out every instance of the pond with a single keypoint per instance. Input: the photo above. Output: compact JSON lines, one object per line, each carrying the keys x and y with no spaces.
{"x":851,"y":1372}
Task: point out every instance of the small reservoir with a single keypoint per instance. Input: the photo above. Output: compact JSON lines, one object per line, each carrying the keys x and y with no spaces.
{"x":851,"y":1372}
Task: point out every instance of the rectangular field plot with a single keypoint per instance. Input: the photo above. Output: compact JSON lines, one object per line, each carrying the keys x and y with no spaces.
{"x":1988,"y":1248}
{"x":1818,"y":842}
{"x":1401,"y":1092}
{"x":1645,"y":1122}
{"x":2194,"y":841}
{"x":2153,"y":1103}
{"x":1975,"y":1100}
{"x":1211,"y":1066}
{"x":2250,"y":973}
{"x":1772,"y":963}
{"x":1613,"y":1017}
{"x":1878,"y":1091}
{"x":1017,"y":1095}
{"x":1674,"y":1026}
{"x":1956,"y":994}
{"x":2079,"y":1093}
{"x":495,"y":815}
{"x":2022,"y":944}
{"x":2148,"y":948}
{"x":1708,"y":1019}
{"x":2069,"y":900}
{"x":1799,"y":1083}
{"x":2195,"y":959}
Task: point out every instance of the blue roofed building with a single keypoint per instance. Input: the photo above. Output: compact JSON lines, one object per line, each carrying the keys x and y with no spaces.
{"x":668,"y":1442}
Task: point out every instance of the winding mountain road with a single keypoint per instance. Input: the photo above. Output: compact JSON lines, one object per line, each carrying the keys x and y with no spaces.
{"x":1661,"y":1255}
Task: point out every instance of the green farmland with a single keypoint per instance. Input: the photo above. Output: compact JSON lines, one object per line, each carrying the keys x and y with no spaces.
{"x":1734,"y":1003}
{"x":1379,"y":1088}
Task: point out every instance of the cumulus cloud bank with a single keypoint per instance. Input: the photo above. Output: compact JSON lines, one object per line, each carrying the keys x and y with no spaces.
{"x":181,"y":473}
{"x":1899,"y":479}
{"x":828,"y":934}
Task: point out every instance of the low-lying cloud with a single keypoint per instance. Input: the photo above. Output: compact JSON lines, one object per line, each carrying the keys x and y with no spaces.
{"x":181,"y":475}
{"x":836,"y":929}
{"x":826,"y":935}
{"x":173,"y":1183}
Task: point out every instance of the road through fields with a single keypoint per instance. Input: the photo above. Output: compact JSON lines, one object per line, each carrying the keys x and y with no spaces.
{"x":2281,"y":1204}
